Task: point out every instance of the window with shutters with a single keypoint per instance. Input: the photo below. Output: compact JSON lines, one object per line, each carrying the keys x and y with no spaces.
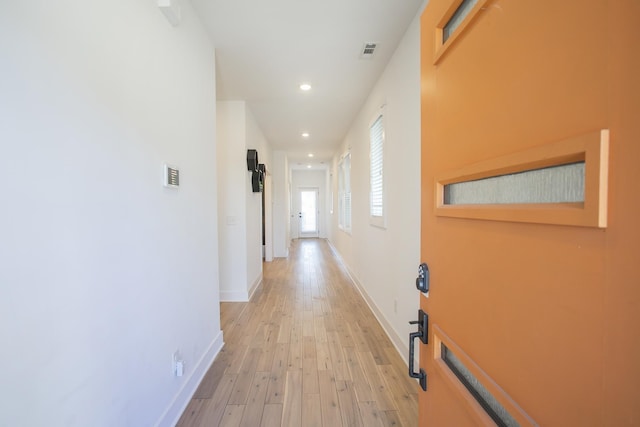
{"x":376,"y":171}
{"x":344,"y":193}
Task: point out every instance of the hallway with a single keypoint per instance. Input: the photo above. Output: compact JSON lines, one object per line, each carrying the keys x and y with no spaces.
{"x":305,"y":351}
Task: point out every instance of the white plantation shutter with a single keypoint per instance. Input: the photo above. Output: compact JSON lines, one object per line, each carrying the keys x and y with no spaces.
{"x":347,"y":211}
{"x":376,"y":170}
{"x":340,"y":195}
{"x":344,"y":193}
{"x":376,"y":140}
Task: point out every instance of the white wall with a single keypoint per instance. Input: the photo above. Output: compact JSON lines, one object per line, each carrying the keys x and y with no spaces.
{"x":104,"y":272}
{"x":268,"y":213}
{"x":310,"y":179}
{"x":386,"y":260}
{"x":232,"y":200}
{"x":281,"y":211}
{"x":240,"y":208}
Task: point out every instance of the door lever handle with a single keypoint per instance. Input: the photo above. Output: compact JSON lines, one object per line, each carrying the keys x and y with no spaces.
{"x":423,"y":326}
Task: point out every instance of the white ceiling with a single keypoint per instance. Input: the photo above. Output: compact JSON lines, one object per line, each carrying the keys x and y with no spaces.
{"x":266,"y":48}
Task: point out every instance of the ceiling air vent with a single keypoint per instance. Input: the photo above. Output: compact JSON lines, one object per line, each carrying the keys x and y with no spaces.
{"x":368,"y":50}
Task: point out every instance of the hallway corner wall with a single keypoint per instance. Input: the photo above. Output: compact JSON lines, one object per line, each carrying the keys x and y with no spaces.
{"x":281,"y":209}
{"x":232,"y":200}
{"x":257,"y":141}
{"x":240,"y":209}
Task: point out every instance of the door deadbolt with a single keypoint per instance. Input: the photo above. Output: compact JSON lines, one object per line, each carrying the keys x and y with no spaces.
{"x":422,"y":282}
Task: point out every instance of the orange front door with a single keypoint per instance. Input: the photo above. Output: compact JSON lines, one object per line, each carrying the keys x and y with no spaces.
{"x":534,"y":304}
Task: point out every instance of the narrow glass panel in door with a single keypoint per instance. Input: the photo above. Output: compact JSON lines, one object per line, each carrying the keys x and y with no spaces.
{"x":308,"y":213}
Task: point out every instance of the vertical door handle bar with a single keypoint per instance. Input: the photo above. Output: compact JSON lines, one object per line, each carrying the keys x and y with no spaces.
{"x":421,"y":376}
{"x":423,"y":332}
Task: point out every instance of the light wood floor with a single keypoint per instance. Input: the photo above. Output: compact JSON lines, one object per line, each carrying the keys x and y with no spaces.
{"x":305,"y":351}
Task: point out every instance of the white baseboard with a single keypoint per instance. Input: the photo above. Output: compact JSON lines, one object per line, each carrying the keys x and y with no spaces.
{"x":172,"y":414}
{"x":399,"y":342}
{"x":234,"y":296}
{"x":240,"y":296}
{"x":254,"y":286}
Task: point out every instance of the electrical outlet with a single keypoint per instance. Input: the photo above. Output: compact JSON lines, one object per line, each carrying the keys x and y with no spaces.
{"x":176,"y":363}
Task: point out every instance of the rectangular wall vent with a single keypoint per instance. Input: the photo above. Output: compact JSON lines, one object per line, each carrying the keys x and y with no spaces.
{"x":171,"y":176}
{"x":368,"y":50}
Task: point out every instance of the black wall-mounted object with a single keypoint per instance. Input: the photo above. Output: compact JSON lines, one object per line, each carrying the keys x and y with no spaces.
{"x":252,"y":160}
{"x":255,"y":182}
{"x":262,"y":169}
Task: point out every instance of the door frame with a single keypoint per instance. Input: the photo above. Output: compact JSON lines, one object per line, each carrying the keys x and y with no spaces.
{"x":298,"y":212}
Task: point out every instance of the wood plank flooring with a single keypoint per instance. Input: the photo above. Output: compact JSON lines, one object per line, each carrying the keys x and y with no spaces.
{"x":305,"y":351}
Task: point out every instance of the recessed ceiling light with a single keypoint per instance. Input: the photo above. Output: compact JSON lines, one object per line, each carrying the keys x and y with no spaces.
{"x":308,"y":166}
{"x":310,"y":154}
{"x":305,"y":86}
{"x":305,"y":135}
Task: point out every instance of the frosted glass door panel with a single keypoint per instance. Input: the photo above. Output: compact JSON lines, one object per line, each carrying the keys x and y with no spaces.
{"x":308,"y":209}
{"x":557,"y":184}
